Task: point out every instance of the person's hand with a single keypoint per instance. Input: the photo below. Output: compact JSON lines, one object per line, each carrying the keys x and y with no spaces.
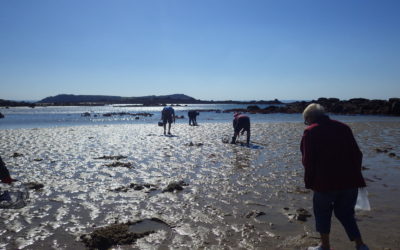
{"x":8,"y":180}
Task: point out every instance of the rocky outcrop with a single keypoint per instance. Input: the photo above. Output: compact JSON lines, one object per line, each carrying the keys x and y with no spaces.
{"x":333,"y":105}
{"x":7,"y":103}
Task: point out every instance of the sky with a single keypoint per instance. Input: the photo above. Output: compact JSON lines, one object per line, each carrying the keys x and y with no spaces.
{"x":207,"y":49}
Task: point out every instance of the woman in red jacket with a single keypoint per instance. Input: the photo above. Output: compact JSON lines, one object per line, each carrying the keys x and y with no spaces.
{"x":332,"y":169}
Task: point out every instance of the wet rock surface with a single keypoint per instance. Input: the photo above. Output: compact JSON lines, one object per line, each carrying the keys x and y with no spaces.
{"x":105,"y":238}
{"x":15,"y":155}
{"x":222,"y":208}
{"x":254,"y":214}
{"x":110,"y":157}
{"x":175,"y":186}
{"x":119,"y":164}
{"x":300,"y":214}
{"x":34,"y":185}
{"x":136,"y":187}
{"x":127,"y":113}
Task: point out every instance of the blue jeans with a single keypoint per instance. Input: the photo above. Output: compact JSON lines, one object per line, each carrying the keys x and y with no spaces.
{"x":342,"y":202}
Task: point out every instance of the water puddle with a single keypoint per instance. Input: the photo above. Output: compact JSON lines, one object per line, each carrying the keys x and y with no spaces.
{"x":148,"y":225}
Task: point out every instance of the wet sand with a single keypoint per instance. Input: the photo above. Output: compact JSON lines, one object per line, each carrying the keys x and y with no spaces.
{"x":190,"y":190}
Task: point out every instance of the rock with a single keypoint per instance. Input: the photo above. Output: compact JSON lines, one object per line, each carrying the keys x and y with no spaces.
{"x":394,"y":106}
{"x":106,"y":237}
{"x":15,"y":155}
{"x":34,"y":185}
{"x":134,"y":186}
{"x":86,"y":114}
{"x":126,"y":113}
{"x":174,"y":186}
{"x":253,"y":108}
{"x":191,"y":144}
{"x":302,"y":214}
{"x":254,"y":213}
{"x":120,"y":164}
{"x":111,"y":157}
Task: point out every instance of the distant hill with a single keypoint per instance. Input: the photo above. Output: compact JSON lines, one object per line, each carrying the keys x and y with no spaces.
{"x":65,"y":99}
{"x":8,"y":103}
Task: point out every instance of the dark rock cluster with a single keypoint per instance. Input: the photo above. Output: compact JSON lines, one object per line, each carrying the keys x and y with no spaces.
{"x":120,"y":234}
{"x":136,"y":187}
{"x":110,"y":157}
{"x":126,"y":113}
{"x":175,"y":186}
{"x":106,"y":237}
{"x":333,"y":105}
{"x":119,"y":164}
{"x":7,"y":103}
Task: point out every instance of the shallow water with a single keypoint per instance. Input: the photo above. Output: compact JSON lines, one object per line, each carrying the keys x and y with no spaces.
{"x":227,"y":186}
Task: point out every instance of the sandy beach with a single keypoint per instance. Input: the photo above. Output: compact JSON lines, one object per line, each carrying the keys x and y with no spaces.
{"x":232,"y":197}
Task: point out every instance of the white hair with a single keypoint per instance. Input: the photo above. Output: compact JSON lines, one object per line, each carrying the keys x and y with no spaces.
{"x":312,"y":112}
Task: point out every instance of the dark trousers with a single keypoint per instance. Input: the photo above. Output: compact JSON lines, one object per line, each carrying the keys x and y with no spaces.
{"x":3,"y":170}
{"x":340,"y":202}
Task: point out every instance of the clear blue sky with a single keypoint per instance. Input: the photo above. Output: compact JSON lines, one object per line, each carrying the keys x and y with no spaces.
{"x":207,"y":49}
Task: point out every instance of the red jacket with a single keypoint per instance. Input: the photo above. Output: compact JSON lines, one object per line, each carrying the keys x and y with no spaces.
{"x":331,"y":157}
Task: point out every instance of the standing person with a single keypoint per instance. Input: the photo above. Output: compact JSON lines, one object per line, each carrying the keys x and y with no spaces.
{"x":332,"y":169}
{"x":192,"y":117}
{"x":241,"y":123}
{"x":168,"y":115}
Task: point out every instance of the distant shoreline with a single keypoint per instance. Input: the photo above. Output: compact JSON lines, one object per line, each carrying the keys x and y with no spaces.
{"x":332,"y":105}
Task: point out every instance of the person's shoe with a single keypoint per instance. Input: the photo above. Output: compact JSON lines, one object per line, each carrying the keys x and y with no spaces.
{"x":362,"y":247}
{"x":169,"y":133}
{"x":317,"y":248}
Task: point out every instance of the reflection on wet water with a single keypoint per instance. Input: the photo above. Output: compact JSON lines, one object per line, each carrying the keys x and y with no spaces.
{"x":226,"y":184}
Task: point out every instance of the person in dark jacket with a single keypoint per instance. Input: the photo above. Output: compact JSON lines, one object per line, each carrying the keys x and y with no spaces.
{"x":241,"y":123}
{"x":192,"y":117}
{"x":4,"y":174}
{"x":332,"y":169}
{"x":168,"y":116}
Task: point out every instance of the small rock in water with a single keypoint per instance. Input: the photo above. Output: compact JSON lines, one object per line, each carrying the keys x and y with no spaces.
{"x":15,"y":155}
{"x":120,"y":164}
{"x":254,"y":213}
{"x":175,"y":186}
{"x":106,"y":237}
{"x":302,"y":214}
{"x":34,"y":185}
{"x":111,"y":157}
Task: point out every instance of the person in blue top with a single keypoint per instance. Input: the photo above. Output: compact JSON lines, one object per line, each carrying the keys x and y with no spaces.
{"x":168,"y":116}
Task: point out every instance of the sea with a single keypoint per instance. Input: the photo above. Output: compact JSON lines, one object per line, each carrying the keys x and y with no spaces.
{"x":62,"y":116}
